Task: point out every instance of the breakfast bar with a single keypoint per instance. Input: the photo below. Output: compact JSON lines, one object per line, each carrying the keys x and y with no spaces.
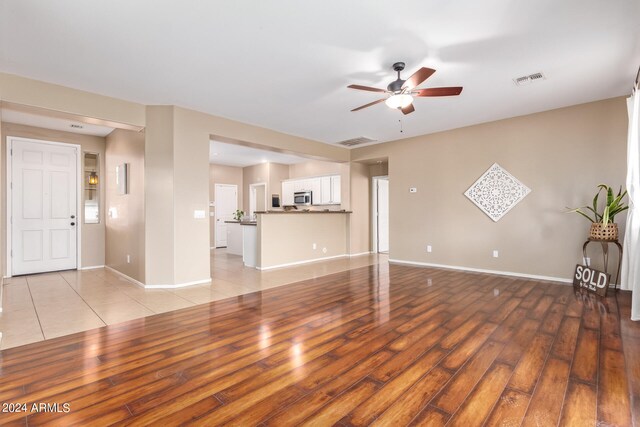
{"x":297,"y":237}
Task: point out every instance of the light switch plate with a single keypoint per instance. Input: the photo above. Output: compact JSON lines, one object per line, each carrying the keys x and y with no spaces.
{"x":199,"y":214}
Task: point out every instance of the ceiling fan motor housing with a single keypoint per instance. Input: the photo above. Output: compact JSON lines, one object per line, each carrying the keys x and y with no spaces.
{"x":396,"y":86}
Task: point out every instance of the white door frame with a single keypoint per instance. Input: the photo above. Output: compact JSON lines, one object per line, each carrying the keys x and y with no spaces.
{"x":374,"y":212}
{"x":9,"y":192}
{"x":252,"y":196}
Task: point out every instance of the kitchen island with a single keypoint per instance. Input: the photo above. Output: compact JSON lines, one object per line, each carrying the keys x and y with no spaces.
{"x":285,"y":238}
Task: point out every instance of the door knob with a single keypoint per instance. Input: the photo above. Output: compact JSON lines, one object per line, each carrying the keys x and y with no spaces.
{"x":73,"y":223}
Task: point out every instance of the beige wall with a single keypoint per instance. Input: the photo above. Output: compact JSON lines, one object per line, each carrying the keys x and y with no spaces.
{"x":191,"y":181}
{"x":253,"y":175}
{"x":93,"y":235}
{"x":219,"y":174}
{"x":125,"y":233}
{"x":360,"y":228}
{"x":560,"y":154}
{"x":277,"y":173}
{"x":314,"y":168}
{"x":159,"y":189}
{"x":35,"y":93}
{"x":379,"y":169}
{"x":301,"y":231}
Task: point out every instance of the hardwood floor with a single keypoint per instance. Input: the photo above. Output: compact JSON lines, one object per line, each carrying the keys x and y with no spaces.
{"x":383,"y":345}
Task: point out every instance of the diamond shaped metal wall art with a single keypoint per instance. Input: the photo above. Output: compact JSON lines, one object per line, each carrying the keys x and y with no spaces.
{"x":496,"y":192}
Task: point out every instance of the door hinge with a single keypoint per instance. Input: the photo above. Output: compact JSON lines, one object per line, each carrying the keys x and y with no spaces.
{"x":11,"y":253}
{"x":11,"y":152}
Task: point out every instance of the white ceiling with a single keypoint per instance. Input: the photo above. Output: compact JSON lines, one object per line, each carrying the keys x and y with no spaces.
{"x":22,"y":118}
{"x":222,"y":153}
{"x":285,"y":64}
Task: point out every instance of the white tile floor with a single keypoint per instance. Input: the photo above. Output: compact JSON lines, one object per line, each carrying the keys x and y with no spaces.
{"x":50,"y":305}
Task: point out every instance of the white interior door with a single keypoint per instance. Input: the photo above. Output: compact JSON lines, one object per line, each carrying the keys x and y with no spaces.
{"x":383,"y":215}
{"x":43,"y":193}
{"x":226,"y":204}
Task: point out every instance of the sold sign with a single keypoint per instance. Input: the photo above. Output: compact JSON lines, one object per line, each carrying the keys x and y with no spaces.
{"x":592,"y":280}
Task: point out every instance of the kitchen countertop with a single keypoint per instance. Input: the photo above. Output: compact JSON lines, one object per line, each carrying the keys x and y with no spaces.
{"x":303,"y":212}
{"x":242,"y":222}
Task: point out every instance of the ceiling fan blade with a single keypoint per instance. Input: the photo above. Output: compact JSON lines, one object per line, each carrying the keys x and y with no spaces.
{"x":369,"y":104}
{"x":408,"y":109}
{"x":368,"y":88}
{"x":438,"y":91}
{"x":418,"y":77}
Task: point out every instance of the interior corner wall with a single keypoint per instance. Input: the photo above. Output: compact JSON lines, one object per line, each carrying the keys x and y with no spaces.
{"x":191,"y":195}
{"x":159,"y":196}
{"x":125,"y":236}
{"x":277,"y":173}
{"x":220,"y":174}
{"x":253,"y":175}
{"x":359,"y":229}
{"x":561,"y":155}
{"x":93,"y":235}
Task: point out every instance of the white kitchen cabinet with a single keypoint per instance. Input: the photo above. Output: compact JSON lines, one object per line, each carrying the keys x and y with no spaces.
{"x":325,"y":191}
{"x":287,"y":193}
{"x":315,"y":186}
{"x":336,"y":190}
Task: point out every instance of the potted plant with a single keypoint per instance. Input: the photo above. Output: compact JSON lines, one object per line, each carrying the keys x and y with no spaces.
{"x":238,"y":214}
{"x":603,"y":226}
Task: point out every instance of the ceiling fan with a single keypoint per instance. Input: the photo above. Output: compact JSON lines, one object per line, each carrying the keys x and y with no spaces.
{"x":401,"y":92}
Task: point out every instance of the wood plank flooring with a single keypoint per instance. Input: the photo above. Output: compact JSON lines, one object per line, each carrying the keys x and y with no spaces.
{"x":379,"y":345}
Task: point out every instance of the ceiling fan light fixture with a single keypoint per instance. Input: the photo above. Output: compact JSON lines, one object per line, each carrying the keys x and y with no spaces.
{"x":399,"y":101}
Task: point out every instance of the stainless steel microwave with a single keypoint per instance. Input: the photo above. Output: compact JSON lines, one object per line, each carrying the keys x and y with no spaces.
{"x":302,"y":198}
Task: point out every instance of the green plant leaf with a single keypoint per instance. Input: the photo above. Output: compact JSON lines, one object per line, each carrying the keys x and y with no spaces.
{"x":597,"y":215}
{"x":605,"y":216}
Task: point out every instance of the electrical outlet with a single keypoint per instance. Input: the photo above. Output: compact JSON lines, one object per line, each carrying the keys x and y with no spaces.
{"x":128,"y":259}
{"x":428,"y":248}
{"x":315,"y":246}
{"x":324,"y":250}
{"x":429,"y":282}
{"x":495,"y":253}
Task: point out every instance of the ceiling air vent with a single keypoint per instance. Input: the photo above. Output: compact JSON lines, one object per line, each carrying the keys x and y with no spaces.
{"x":525,"y":80}
{"x":355,"y":141}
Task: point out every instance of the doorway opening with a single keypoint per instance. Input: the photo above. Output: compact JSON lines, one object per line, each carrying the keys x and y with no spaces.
{"x":43,"y":228}
{"x":380,"y":214}
{"x":257,"y":198}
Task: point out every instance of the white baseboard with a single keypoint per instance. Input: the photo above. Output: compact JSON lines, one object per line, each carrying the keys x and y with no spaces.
{"x":291,"y":264}
{"x":481,"y":270}
{"x":360,"y":254}
{"x":178,"y":285}
{"x":121,"y":274}
{"x":92,"y":267}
